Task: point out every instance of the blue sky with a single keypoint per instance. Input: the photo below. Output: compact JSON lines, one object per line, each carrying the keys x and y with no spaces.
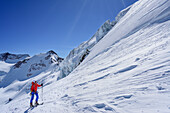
{"x":37,"y":26}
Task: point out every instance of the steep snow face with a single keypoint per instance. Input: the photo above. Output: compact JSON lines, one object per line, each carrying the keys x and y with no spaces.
{"x":140,"y":16}
{"x":31,"y":67}
{"x":77,"y":55}
{"x":12,"y":58}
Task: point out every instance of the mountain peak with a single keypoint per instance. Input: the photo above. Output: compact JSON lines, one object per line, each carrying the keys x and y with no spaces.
{"x":51,"y":52}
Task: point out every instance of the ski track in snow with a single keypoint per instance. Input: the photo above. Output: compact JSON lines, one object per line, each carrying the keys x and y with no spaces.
{"x":129,"y":76}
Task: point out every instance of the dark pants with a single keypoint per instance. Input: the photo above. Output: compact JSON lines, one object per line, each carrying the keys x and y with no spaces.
{"x":32,"y":96}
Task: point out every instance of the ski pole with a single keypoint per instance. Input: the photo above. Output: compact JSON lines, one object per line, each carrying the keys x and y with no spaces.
{"x":42,"y":93}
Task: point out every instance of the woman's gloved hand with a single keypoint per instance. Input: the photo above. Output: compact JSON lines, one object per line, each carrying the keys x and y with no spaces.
{"x":30,"y":93}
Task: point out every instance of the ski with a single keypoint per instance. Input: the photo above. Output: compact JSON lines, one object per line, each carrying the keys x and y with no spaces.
{"x":39,"y":104}
{"x":29,"y":109}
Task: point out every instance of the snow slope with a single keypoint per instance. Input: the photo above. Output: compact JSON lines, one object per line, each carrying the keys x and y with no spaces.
{"x":127,"y":71}
{"x":4,"y":69}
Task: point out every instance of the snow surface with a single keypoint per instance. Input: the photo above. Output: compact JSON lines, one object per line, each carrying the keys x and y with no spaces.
{"x":127,"y":71}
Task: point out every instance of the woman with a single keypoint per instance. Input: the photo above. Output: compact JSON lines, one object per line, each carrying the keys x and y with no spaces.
{"x":34,"y":87}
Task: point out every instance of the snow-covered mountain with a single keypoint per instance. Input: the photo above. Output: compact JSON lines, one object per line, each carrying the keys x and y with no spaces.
{"x":12,"y":58}
{"x":77,"y":55}
{"x":127,"y":71}
{"x":31,"y":67}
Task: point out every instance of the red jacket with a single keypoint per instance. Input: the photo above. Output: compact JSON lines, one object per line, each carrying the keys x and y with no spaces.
{"x":34,"y":87}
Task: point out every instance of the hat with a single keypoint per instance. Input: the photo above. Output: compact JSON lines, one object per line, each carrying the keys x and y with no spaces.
{"x":34,"y":81}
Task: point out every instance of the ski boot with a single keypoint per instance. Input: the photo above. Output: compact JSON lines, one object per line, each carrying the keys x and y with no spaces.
{"x":36,"y":103}
{"x":31,"y":105}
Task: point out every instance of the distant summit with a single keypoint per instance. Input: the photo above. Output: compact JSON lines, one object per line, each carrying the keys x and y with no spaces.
{"x":52,"y":52}
{"x":12,"y":58}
